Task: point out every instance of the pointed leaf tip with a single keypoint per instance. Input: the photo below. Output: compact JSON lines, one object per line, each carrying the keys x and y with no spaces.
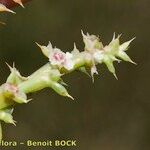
{"x":63,"y":83}
{"x":92,"y":79}
{"x":19,"y":2}
{"x":125,"y":45}
{"x":131,"y":61}
{"x":68,"y":95}
{"x":4,"y":8}
{"x":14,"y":122}
{"x":83,"y":33}
{"x":44,"y":49}
{"x":38,"y":44}
{"x":114,"y":36}
{"x":93,"y":71}
{"x":115,"y":76}
{"x":29,"y":100}
{"x":83,"y":69}
{"x":9,"y":66}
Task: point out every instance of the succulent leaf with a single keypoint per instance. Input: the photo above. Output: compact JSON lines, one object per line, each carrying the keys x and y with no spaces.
{"x":60,"y":89}
{"x":6,"y":117}
{"x":84,"y":70}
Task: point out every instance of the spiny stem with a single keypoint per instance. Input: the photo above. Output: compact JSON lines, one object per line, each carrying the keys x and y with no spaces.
{"x":16,"y":88}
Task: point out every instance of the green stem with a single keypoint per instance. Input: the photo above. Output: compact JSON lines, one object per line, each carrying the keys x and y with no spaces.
{"x":41,"y":78}
{"x":37,"y":81}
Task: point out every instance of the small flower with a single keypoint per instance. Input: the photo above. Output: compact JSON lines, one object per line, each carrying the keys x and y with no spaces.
{"x":11,"y":88}
{"x":61,"y":59}
{"x":94,"y":50}
{"x":98,"y":56}
{"x":12,"y":91}
{"x":57,"y":57}
{"x":69,"y":64}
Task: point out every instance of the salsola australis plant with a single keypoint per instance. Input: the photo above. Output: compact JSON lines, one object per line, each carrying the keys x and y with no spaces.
{"x":16,"y":88}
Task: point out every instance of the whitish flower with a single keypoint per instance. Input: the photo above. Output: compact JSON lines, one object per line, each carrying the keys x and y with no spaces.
{"x":59,"y":58}
{"x":98,"y":56}
{"x":69,"y":64}
{"x":12,"y":91}
{"x":11,"y":88}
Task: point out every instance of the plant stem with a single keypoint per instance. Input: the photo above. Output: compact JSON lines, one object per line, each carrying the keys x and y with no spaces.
{"x":41,"y":78}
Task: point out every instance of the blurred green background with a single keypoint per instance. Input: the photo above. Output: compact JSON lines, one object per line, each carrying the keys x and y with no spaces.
{"x":106,"y":115}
